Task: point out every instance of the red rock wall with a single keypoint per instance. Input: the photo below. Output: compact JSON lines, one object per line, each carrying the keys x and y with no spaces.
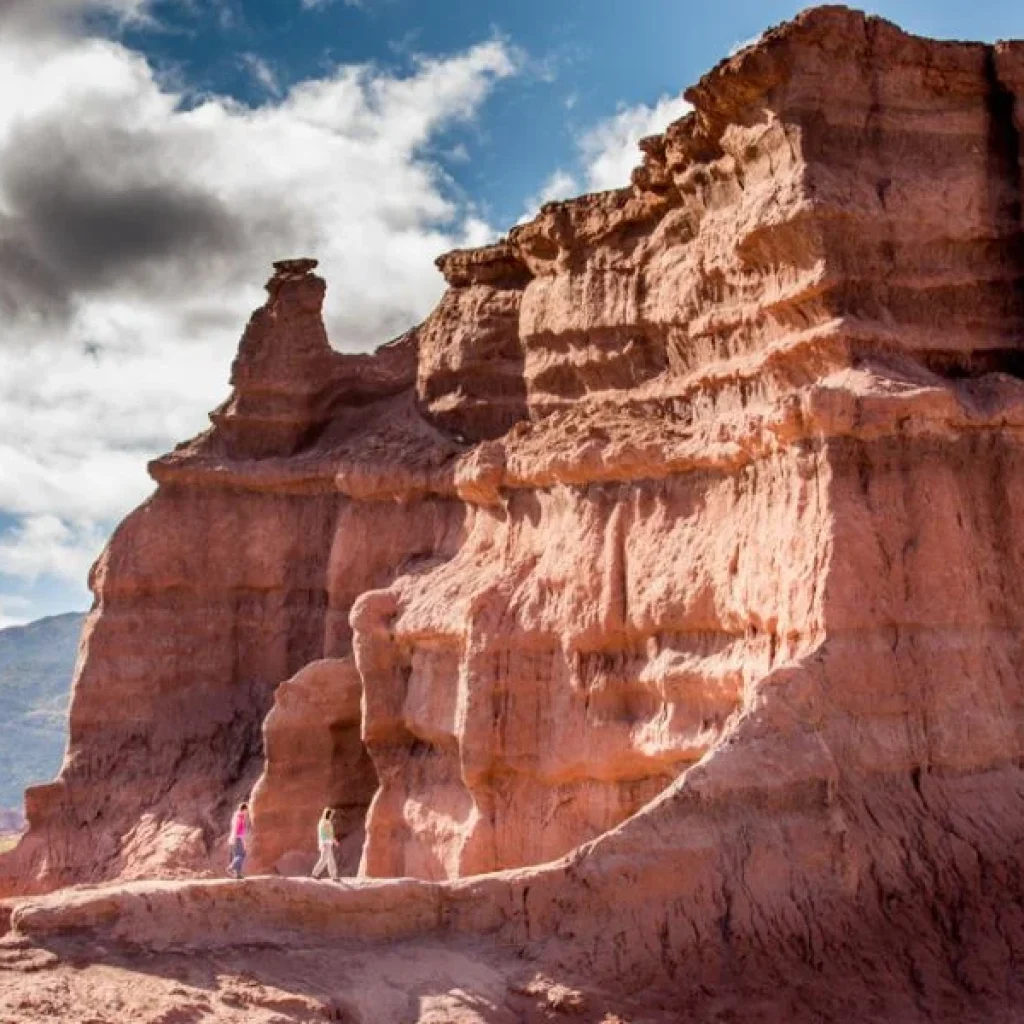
{"x":238,"y":573}
{"x":585,"y":646}
{"x":205,"y":601}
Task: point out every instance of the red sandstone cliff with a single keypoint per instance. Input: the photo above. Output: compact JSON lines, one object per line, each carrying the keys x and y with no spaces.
{"x":677,"y":543}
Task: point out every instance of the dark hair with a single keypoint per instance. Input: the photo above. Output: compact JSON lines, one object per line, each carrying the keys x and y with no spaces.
{"x":243,"y":806}
{"x":328,"y":812}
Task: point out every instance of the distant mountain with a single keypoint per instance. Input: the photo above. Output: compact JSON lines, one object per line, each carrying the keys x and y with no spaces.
{"x":36,"y":665}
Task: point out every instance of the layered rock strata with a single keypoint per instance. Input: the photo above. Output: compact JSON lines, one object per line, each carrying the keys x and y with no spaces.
{"x":675,"y":553}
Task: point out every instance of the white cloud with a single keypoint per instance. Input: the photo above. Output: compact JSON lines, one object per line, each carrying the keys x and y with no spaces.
{"x":135,"y":235}
{"x":47,"y":546}
{"x":744,"y":43}
{"x":559,"y":185}
{"x":262,"y":73}
{"x":609,"y":149}
{"x":608,"y":152}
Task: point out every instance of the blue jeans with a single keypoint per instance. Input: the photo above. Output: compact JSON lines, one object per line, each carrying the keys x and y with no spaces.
{"x":237,"y":857}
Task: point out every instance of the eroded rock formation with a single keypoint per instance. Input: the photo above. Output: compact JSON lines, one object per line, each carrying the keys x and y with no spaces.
{"x":678,"y":543}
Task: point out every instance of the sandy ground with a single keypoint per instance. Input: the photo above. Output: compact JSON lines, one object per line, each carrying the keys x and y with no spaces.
{"x":79,"y":982}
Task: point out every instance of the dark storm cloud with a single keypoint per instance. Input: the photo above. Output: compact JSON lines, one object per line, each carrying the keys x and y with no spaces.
{"x":94,"y":210}
{"x":31,"y":18}
{"x":39,"y":17}
{"x":28,"y":288}
{"x":93,"y":236}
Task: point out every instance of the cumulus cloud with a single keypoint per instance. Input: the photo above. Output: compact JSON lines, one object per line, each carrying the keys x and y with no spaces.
{"x":109,"y":186}
{"x":47,"y":546}
{"x":136,"y":229}
{"x":608,"y":151}
{"x":610,"y":148}
{"x":560,"y":184}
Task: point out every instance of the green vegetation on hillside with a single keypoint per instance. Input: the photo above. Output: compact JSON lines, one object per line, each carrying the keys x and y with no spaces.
{"x":36,"y":665}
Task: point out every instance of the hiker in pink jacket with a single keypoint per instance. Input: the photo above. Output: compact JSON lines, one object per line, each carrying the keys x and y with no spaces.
{"x":238,"y":836}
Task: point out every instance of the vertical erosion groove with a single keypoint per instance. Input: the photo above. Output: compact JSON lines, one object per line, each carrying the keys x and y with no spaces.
{"x":1004,"y":180}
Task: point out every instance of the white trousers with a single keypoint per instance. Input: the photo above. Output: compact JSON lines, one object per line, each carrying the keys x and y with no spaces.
{"x":326,"y":862}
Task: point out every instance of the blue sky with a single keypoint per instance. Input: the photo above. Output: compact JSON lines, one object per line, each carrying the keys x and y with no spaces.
{"x":163,"y":152}
{"x":584,"y":59}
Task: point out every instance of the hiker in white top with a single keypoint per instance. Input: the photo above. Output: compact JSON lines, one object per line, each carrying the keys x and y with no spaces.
{"x":325,"y":839}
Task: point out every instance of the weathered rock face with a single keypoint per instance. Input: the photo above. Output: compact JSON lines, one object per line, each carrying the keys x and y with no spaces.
{"x":678,"y":543}
{"x":470,"y":377}
{"x":525,"y":695}
{"x":314,"y":758}
{"x":236,"y":574}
